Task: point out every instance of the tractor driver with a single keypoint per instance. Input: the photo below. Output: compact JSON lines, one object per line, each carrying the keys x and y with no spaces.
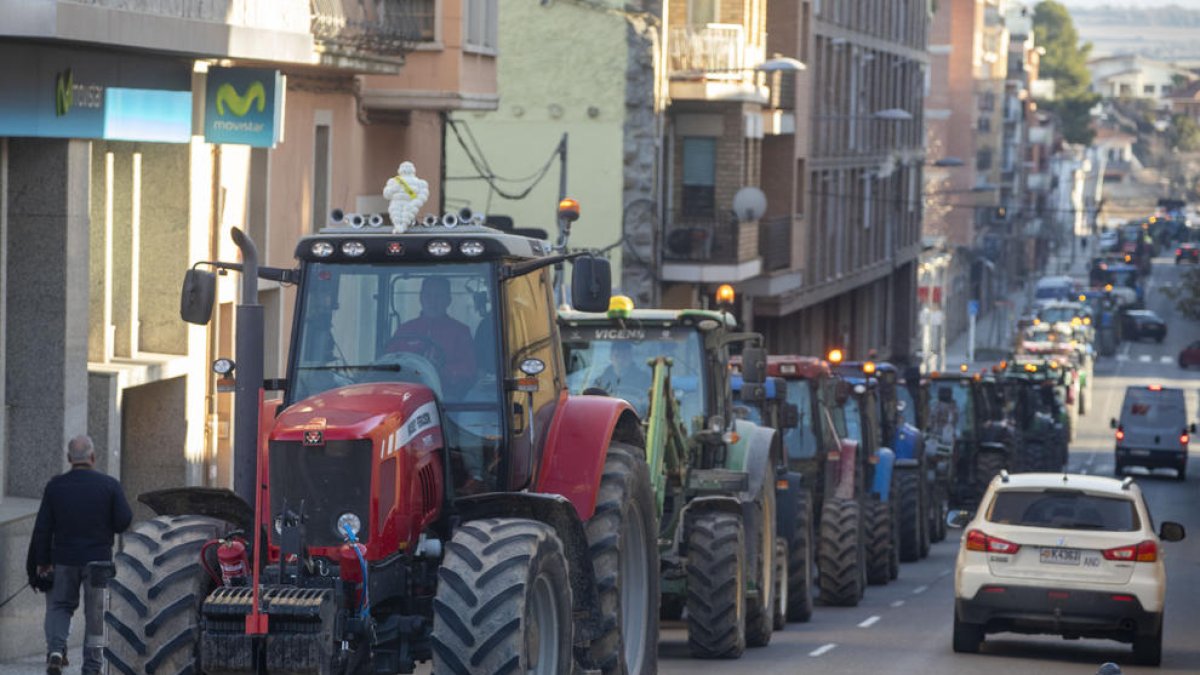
{"x":945,"y":416}
{"x":623,"y":377}
{"x":437,"y":336}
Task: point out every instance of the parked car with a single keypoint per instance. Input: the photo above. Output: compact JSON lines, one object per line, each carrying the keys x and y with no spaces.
{"x":1187,"y":252}
{"x":1190,"y":355}
{"x":1109,"y":240}
{"x":1143,"y":323}
{"x":1153,"y":430}
{"x":1062,"y":554}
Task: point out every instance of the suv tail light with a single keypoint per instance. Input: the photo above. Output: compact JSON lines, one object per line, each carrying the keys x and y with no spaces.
{"x":1183,"y":438}
{"x":979,"y":541}
{"x":1147,"y":551}
{"x":1120,"y":433}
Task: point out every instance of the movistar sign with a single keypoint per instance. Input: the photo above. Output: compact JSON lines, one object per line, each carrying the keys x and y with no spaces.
{"x":243,"y":106}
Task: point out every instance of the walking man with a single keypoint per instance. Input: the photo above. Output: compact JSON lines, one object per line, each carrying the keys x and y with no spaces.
{"x":81,"y":511}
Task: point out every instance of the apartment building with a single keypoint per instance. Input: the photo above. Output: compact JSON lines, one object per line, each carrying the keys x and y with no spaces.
{"x":846,"y":184}
{"x":124,"y":159}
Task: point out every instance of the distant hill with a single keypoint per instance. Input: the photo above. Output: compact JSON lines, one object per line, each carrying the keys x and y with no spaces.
{"x":1168,"y":33}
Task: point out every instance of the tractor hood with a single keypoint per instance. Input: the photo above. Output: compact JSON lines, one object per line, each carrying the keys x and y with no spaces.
{"x":359,"y":411}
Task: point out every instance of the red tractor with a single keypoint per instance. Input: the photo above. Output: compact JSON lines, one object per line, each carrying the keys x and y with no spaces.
{"x":425,"y":490}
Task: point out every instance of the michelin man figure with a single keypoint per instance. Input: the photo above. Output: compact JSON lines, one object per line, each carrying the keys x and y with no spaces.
{"x":406,"y":194}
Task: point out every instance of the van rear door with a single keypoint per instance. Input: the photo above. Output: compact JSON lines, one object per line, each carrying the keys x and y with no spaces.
{"x":1153,"y":417}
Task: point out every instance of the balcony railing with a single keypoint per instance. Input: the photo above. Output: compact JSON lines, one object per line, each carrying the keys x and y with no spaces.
{"x":714,"y":239}
{"x":717,"y":50}
{"x":384,"y":27}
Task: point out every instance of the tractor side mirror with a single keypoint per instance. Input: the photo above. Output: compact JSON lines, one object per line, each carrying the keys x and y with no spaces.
{"x":591,"y":284}
{"x":199,"y":293}
{"x":789,"y":417}
{"x":754,"y":365}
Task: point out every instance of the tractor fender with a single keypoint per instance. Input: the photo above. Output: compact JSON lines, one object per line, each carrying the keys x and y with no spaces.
{"x":216,"y":503}
{"x":758,"y":451}
{"x":883,"y":474}
{"x":908,"y":443}
{"x":557,"y":512}
{"x":787,"y":493}
{"x":577,"y":445}
{"x":707,"y":504}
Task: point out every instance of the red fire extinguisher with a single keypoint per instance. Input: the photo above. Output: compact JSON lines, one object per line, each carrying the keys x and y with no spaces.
{"x":235,"y":567}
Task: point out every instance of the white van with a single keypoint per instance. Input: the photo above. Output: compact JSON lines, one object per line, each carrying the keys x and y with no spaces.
{"x":1153,"y":430}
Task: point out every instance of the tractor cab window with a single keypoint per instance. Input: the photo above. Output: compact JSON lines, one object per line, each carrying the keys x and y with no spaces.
{"x":854,"y":421}
{"x":428,"y":324}
{"x":801,"y":441}
{"x":904,"y":399}
{"x":614,"y":360}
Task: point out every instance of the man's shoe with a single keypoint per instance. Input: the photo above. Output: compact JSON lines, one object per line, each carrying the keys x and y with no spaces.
{"x":55,"y":663}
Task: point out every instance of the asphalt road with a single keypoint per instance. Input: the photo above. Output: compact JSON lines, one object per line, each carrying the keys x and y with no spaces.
{"x":905,"y":627}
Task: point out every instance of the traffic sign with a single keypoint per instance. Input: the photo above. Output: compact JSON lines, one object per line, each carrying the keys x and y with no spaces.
{"x":973,"y":307}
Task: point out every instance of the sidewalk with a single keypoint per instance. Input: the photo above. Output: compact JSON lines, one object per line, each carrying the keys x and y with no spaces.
{"x":994,"y":329}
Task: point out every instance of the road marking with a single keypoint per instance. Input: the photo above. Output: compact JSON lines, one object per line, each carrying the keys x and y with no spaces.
{"x":920,"y":589}
{"x":822,"y":649}
{"x":869,"y":622}
{"x":898,"y":603}
{"x":1166,"y":360}
{"x":1122,"y":357}
{"x":945,"y":573}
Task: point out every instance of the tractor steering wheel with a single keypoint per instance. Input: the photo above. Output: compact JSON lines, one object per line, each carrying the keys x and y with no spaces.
{"x":409,"y":362}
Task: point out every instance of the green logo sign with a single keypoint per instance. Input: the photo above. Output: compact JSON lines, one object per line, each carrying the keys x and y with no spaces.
{"x":239,"y":105}
{"x":64,"y":92}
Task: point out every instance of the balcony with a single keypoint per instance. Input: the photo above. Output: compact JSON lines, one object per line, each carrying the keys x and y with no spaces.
{"x":710,"y":249}
{"x":716,"y":62}
{"x":354,"y":34}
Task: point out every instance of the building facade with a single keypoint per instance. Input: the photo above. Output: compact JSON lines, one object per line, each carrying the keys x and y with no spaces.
{"x":120,"y":166}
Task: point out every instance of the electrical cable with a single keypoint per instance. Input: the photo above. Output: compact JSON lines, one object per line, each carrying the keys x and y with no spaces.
{"x":364,"y":607}
{"x":483,"y":169}
{"x":204,"y":561}
{"x":14,"y":595}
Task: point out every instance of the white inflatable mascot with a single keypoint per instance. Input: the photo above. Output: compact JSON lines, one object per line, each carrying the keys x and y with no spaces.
{"x":406,"y":194}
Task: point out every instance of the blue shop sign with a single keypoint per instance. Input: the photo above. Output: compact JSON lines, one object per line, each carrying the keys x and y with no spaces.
{"x":243,"y":106}
{"x":71,"y":93}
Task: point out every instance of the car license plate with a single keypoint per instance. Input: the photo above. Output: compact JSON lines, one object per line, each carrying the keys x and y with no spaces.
{"x":1140,"y":453}
{"x":1061,"y":556}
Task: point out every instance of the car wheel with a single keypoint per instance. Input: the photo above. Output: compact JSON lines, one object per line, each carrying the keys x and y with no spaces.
{"x":1181,"y":472}
{"x":1147,"y":649}
{"x":1119,"y":469}
{"x":968,"y":636}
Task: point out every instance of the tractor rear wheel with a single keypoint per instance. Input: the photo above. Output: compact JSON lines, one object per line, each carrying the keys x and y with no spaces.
{"x":801,"y":563}
{"x":623,"y":539}
{"x":879,"y":543}
{"x":716,"y":605}
{"x":926,"y":502}
{"x":939,"y":510}
{"x":503,"y":601}
{"x":760,"y":607}
{"x":779,"y":620}
{"x":842,"y":553}
{"x":911,"y":517}
{"x":154,"y":611}
{"x":988,"y":465}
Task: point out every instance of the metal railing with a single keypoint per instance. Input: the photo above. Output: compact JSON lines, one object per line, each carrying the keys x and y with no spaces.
{"x":715,"y":50}
{"x":386,"y":27}
{"x":718,"y":239}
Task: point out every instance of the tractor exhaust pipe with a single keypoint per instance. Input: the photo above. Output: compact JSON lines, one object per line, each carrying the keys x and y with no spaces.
{"x":249,"y":357}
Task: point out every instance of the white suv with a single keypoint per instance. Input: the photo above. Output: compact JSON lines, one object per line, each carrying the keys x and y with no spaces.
{"x":1063,"y":554}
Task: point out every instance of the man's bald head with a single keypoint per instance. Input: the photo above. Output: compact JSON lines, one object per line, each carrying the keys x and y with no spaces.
{"x":81,"y":451}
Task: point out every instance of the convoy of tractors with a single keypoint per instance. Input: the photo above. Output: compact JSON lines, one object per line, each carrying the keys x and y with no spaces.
{"x":457,"y":469}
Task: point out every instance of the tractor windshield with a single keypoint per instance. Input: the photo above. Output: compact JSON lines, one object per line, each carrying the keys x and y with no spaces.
{"x":614,"y":360}
{"x":801,"y":441}
{"x":429,"y":324}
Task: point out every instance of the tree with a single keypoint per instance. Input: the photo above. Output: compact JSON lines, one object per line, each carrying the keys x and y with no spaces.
{"x":1065,"y":62}
{"x":1186,"y":294}
{"x":1184,"y":133}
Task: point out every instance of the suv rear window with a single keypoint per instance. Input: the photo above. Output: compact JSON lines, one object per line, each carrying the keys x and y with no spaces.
{"x":1063,"y":509}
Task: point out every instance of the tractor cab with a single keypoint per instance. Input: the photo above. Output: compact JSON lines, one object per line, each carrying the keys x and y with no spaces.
{"x":968,"y":427}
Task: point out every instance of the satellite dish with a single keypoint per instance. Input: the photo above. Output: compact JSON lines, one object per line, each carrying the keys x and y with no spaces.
{"x":749,"y":204}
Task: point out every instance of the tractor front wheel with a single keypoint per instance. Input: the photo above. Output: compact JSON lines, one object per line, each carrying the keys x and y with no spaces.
{"x":623,"y":539}
{"x":879,"y":543}
{"x":911,"y":517}
{"x":800,"y":561}
{"x":842,"y":553}
{"x":155,"y":597}
{"x":760,"y":607}
{"x":716,"y":604}
{"x":503,"y":601}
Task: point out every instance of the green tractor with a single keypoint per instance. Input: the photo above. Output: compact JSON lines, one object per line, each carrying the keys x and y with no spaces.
{"x":972,"y":438}
{"x":715,"y":476}
{"x":1029,"y":386}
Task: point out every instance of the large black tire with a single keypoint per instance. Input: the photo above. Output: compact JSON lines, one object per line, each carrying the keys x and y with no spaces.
{"x":779,"y":614}
{"x":760,"y":606}
{"x":504,"y":601}
{"x":842,"y":553}
{"x":939,"y":509}
{"x":879,"y":543}
{"x":912,"y":519}
{"x":154,"y":611}
{"x":716,"y":605}
{"x":1035,"y":456}
{"x":1147,"y":649}
{"x":801,"y":562}
{"x":926,"y":508}
{"x":988,"y":465}
{"x":623,"y":541}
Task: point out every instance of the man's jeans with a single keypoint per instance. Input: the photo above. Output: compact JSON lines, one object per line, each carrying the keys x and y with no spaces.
{"x":61,"y":602}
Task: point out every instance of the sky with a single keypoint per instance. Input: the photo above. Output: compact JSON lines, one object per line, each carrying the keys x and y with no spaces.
{"x":1189,"y":4}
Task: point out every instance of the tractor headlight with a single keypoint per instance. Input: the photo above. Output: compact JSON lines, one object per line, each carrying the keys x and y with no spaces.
{"x":439,"y":247}
{"x":471,"y":248}
{"x":322,"y":249}
{"x":348,"y":520}
{"x":354,"y":248}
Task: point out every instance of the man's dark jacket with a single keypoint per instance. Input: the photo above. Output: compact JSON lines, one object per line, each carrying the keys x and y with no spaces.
{"x":81,"y":512}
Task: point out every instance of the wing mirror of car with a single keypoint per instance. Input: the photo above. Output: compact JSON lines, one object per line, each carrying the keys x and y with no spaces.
{"x":958,"y":519}
{"x":1112,"y":423}
{"x":1171,"y":531}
